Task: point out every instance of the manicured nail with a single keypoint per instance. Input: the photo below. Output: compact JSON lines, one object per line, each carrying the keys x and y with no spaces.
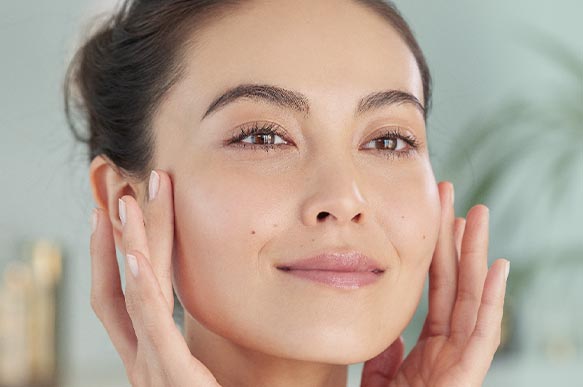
{"x":133,"y":264}
{"x":507,"y":269}
{"x":452,"y":195}
{"x":122,"y":212}
{"x":153,"y":185}
{"x":93,"y":220}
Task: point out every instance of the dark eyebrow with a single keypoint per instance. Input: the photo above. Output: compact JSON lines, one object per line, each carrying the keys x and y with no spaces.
{"x":300,"y":103}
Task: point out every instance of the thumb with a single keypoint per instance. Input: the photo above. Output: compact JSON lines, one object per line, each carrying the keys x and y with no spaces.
{"x":381,"y":369}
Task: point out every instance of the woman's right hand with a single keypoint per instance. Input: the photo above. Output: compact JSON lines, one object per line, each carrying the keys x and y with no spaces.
{"x":140,"y":322}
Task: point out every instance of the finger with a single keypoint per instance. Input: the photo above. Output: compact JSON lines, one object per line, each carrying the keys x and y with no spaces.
{"x":425,"y":330}
{"x":154,"y":325}
{"x":134,"y":239}
{"x":133,"y":230}
{"x":107,"y":298}
{"x":443,"y":269}
{"x":460,"y":224}
{"x":159,"y":220}
{"x":381,"y":369}
{"x":473,"y":268}
{"x":146,"y":305}
{"x":485,"y":339}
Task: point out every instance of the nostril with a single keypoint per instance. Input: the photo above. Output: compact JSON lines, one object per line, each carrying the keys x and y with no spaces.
{"x":323,"y":215}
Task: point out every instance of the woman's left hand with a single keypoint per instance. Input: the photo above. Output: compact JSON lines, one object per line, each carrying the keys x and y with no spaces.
{"x":463,"y":326}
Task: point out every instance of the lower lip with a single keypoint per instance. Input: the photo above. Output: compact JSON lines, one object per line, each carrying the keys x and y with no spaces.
{"x":345,"y":280}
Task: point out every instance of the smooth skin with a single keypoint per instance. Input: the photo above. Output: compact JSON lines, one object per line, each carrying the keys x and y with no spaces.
{"x":240,"y":211}
{"x":226,"y":215}
{"x":455,"y":348}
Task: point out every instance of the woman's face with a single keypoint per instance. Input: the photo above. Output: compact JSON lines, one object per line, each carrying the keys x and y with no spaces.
{"x":239,"y":211}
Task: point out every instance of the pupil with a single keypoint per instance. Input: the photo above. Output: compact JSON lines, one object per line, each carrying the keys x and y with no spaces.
{"x":391,"y":141}
{"x":262,"y":136}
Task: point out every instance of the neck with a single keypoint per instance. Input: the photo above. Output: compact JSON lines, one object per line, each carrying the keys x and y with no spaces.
{"x":235,"y":365}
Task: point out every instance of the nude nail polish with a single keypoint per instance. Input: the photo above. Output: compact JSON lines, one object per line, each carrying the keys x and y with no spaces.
{"x":153,"y":185}
{"x":133,"y":264}
{"x":122,"y":212}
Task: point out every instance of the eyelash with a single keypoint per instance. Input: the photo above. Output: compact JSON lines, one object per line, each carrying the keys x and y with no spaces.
{"x":272,"y":129}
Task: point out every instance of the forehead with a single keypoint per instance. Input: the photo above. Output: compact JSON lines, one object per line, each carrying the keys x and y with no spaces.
{"x":333,"y":51}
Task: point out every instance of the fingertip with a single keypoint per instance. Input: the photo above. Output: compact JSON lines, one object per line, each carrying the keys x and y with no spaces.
{"x":135,"y":263}
{"x":478,"y":214}
{"x":503,"y":272}
{"x":446,"y":184}
{"x":142,"y":265}
{"x":484,"y":208}
{"x":506,"y":269}
{"x":479,"y":207}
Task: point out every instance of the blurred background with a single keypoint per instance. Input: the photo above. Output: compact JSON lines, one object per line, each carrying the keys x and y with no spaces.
{"x":506,"y":129}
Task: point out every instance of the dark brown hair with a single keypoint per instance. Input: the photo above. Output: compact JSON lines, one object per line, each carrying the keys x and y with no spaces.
{"x":119,"y":76}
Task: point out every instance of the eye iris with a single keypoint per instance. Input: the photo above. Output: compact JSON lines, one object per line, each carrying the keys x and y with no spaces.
{"x":263,"y":136}
{"x":385,"y":142}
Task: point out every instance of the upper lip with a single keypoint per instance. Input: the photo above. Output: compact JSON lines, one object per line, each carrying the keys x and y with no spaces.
{"x":342,"y":261}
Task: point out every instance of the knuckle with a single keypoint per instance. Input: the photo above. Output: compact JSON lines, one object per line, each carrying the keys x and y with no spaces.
{"x":493,"y":301}
{"x":471,"y":250}
{"x":442,"y":283}
{"x":156,"y":340}
{"x":132,"y":304}
{"x":467,"y":295}
{"x":481,"y":331}
{"x":439,"y":327}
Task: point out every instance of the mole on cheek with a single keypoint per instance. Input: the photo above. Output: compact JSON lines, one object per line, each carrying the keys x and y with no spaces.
{"x":252,"y":231}
{"x":423,"y":236}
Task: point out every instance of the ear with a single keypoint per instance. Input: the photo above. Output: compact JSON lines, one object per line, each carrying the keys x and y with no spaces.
{"x":108,"y":185}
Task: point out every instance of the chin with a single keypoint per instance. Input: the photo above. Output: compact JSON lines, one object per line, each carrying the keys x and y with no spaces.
{"x":333,"y":346}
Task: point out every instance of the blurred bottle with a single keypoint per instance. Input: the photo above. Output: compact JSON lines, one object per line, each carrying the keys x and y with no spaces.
{"x":28,"y":315}
{"x":15,"y":368}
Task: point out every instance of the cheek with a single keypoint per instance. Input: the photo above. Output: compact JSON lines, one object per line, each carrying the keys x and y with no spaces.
{"x":222,"y":220}
{"x":411,"y":216}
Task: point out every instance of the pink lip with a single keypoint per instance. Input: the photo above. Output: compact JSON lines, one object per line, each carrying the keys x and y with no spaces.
{"x":344,"y":270}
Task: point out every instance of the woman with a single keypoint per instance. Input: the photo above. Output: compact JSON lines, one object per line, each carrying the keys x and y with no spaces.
{"x":232,"y":140}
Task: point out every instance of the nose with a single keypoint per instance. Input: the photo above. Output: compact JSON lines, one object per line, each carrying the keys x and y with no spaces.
{"x":334,"y":195}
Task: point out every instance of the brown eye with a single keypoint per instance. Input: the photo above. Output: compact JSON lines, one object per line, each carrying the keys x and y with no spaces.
{"x":388,"y":143}
{"x":264,"y":139}
{"x":395,"y":144}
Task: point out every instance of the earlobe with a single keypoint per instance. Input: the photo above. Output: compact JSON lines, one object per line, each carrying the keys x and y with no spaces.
{"x":108,"y":185}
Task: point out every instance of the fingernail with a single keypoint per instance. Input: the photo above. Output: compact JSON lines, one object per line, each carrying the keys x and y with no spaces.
{"x":122,"y":212}
{"x":452,"y":195}
{"x":507,"y":269}
{"x":133,"y":264}
{"x":93,"y":220}
{"x":153,"y":185}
